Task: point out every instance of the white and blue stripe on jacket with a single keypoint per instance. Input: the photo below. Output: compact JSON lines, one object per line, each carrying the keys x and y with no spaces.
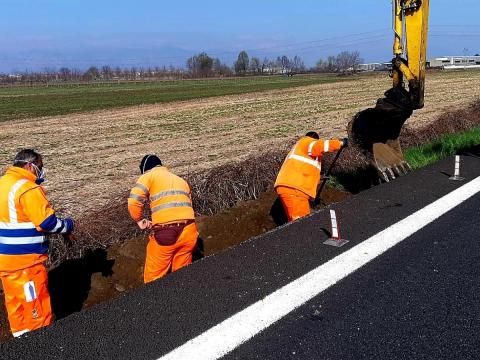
{"x":24,"y":238}
{"x":20,"y":238}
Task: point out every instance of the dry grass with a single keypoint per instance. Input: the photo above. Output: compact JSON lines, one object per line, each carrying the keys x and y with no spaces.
{"x":449,"y":122}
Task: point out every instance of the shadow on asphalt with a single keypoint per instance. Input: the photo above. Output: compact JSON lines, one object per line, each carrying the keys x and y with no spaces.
{"x":326,"y":232}
{"x":199,"y":251}
{"x":70,"y":282}
{"x":473,"y":152}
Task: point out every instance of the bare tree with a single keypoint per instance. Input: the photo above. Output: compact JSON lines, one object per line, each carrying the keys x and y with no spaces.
{"x":347,"y":62}
{"x":286,"y":64}
{"x":200,"y":65}
{"x":255,"y":65}
{"x":65,"y":74}
{"x":265,"y":65}
{"x":92,"y":73}
{"x":107,"y":72}
{"x":297,"y":64}
{"x":242,"y":64}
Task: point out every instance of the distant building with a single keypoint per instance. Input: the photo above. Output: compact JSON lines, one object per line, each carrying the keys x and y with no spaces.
{"x":454,"y":62}
{"x":373,"y":67}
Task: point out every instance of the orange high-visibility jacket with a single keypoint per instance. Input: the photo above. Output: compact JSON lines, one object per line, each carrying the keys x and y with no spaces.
{"x":302,"y":166}
{"x":25,"y":218}
{"x":168,"y":194}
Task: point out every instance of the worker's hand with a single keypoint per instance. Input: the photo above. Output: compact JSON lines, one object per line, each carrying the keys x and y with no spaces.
{"x":345,"y":142}
{"x":144,"y":224}
{"x":68,"y":239}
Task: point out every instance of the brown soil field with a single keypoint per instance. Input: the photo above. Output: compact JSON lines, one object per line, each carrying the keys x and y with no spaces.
{"x":91,"y":157}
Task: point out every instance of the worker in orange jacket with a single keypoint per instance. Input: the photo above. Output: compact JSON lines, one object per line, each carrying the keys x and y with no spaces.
{"x":299,"y":177}
{"x":26,"y":218}
{"x":174,"y":232}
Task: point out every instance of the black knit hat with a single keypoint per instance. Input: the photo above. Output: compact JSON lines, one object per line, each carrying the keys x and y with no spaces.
{"x":149,"y":162}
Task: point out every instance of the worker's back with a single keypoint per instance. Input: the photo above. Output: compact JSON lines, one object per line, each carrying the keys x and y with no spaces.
{"x":299,"y":170}
{"x":169,"y":195}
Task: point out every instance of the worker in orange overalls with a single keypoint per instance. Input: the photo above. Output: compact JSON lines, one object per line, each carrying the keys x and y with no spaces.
{"x":174,"y":232}
{"x":299,"y":177}
{"x":26,"y":218}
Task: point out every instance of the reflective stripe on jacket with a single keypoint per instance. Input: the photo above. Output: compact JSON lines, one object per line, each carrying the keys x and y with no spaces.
{"x":167,"y":193}
{"x":24,"y":210}
{"x":302,"y":166}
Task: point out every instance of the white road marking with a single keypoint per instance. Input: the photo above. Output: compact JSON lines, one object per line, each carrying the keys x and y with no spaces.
{"x":239,"y":328}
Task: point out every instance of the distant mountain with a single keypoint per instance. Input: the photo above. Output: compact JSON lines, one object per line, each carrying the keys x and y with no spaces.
{"x":82,"y":59}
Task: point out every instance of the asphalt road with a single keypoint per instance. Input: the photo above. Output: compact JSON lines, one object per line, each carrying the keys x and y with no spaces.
{"x":420,"y":300}
{"x":417,"y":300}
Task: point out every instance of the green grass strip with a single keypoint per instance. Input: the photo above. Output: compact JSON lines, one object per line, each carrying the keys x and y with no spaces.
{"x":447,"y":145}
{"x":26,"y":102}
{"x":417,"y":157}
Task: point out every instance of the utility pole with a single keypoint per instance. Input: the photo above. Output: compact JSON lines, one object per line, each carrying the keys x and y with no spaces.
{"x":465,"y":54}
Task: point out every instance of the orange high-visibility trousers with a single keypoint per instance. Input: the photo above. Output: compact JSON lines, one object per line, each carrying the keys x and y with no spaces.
{"x":27,"y":299}
{"x":160,"y":258}
{"x":295,"y":202}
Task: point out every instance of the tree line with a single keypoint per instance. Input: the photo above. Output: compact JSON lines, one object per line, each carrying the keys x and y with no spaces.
{"x":202,"y":65}
{"x":343,"y":63}
{"x":198,"y":66}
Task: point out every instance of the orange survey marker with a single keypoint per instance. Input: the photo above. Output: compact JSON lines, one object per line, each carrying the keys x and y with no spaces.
{"x":456,"y":176}
{"x":335,"y":240}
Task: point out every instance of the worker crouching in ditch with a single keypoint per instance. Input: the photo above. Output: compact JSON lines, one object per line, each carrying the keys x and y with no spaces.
{"x":299,"y":176}
{"x":174,"y":233}
{"x":26,"y":217}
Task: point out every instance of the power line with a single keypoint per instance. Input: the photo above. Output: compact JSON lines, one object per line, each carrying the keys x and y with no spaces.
{"x":321,"y":44}
{"x":351,"y":40}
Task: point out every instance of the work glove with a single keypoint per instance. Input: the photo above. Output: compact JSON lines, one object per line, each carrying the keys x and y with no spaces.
{"x":68,"y":226}
{"x":144,"y":224}
{"x":345,"y":142}
{"x":68,"y":239}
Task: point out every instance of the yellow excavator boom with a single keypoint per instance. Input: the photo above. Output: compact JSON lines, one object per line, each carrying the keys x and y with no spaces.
{"x":376,"y":130}
{"x":410,"y":46}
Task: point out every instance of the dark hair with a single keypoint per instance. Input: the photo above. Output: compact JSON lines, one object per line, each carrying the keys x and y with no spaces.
{"x":149,"y":162}
{"x":313,"y":134}
{"x":26,"y":156}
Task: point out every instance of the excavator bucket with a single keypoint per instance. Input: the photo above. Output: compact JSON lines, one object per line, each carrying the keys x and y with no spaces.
{"x":376,"y":131}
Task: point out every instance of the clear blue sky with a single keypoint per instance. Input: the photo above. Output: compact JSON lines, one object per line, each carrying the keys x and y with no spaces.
{"x":78,"y":33}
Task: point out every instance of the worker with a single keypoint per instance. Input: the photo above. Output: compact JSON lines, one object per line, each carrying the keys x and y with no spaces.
{"x":26,"y":218}
{"x":299,"y":177}
{"x":174,"y":233}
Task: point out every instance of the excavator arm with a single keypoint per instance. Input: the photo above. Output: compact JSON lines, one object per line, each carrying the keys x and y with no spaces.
{"x":410,"y":47}
{"x":376,"y":130}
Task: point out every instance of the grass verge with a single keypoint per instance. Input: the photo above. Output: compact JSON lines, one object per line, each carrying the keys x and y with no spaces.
{"x":419,"y":156}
